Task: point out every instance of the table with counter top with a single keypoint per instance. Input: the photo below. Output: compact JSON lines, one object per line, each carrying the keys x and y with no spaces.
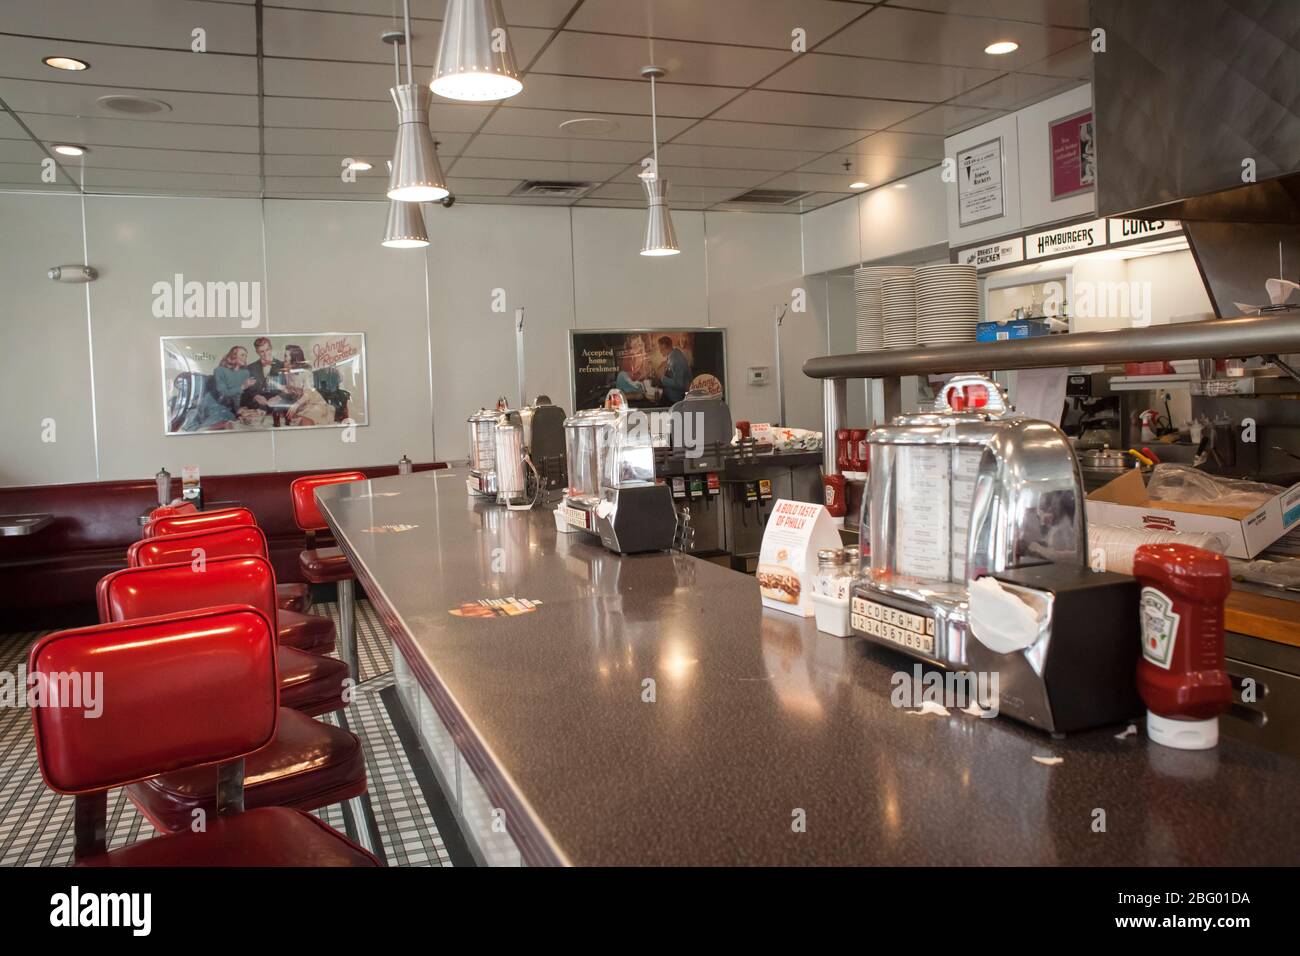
{"x":648,"y":710}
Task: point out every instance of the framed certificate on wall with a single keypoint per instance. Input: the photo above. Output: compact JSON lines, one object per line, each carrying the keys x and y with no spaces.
{"x":980,"y":194}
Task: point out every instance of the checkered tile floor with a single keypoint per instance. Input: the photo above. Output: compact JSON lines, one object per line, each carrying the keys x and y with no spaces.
{"x":36,"y":824}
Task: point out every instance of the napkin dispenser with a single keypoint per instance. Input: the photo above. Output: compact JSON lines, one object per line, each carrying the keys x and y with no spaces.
{"x":968,"y":489}
{"x":1066,"y":658}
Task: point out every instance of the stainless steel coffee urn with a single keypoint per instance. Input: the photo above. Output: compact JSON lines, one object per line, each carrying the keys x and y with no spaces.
{"x":482,"y":479}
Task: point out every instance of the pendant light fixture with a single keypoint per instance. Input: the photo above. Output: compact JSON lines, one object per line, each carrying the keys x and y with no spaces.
{"x":475,"y":58}
{"x":660,"y":239}
{"x":417,"y":174}
{"x":405,"y":226}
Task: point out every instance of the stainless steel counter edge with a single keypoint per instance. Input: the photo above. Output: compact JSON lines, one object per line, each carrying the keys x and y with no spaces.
{"x":536,"y":845}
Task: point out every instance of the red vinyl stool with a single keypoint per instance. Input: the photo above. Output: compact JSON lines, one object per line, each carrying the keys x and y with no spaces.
{"x":168,"y":716}
{"x":291,"y":596}
{"x":309,"y":682}
{"x":326,"y":565}
{"x":307,"y":765}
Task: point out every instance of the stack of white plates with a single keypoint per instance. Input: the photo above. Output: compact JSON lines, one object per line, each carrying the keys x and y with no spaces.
{"x":898,"y":294}
{"x":947,"y":304}
{"x":870,"y":309}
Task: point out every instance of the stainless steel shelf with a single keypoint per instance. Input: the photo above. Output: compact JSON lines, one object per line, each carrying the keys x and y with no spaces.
{"x":1242,"y":337}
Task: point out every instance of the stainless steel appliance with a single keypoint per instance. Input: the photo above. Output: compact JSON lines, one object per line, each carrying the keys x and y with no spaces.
{"x":482,"y":479}
{"x":512,"y":465}
{"x":543,"y":423}
{"x":966,"y":490}
{"x":612,"y":491}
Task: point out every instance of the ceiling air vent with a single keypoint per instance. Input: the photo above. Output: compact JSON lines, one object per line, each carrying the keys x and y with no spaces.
{"x":771,"y":197}
{"x":548,"y":189}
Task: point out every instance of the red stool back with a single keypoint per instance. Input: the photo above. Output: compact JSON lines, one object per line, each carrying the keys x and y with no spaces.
{"x":164,"y":713}
{"x":175,"y":588}
{"x":167,"y":511}
{"x":199,"y":521}
{"x":180,"y":548}
{"x":303,"y":494}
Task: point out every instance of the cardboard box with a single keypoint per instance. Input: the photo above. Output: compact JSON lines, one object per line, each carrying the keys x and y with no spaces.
{"x":1010,"y":331}
{"x":1249,"y":531}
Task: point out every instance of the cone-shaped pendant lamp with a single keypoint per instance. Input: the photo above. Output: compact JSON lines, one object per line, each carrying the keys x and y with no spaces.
{"x":405,"y":226}
{"x":660,"y":239}
{"x":416,"y":175}
{"x":475,"y":58}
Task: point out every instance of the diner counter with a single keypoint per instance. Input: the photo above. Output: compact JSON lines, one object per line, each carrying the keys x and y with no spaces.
{"x":766,"y":741}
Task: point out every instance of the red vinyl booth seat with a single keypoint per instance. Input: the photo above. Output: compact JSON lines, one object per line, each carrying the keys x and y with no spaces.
{"x":309,"y":682}
{"x":169,"y":716}
{"x":319,"y":565}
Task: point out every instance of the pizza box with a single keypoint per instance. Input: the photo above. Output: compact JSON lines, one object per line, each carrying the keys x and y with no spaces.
{"x":1124,"y":502}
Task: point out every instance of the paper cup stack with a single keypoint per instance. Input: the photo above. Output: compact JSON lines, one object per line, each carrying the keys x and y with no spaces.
{"x":947,"y":304}
{"x":899,"y":297}
{"x":871,"y":312}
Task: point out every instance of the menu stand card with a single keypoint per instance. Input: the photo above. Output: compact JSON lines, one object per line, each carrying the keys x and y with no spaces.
{"x":787,"y":562}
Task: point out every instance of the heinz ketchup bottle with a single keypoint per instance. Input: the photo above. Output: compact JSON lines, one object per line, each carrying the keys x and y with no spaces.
{"x":1181,"y":674}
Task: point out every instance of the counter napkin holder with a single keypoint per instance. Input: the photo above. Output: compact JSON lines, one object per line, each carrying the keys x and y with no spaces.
{"x":482,"y":480}
{"x":968,"y":489}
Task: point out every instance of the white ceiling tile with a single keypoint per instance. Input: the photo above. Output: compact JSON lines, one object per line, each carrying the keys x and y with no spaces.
{"x":701,"y":176}
{"x":767,"y":23}
{"x":465,"y":186}
{"x":1015,"y":90}
{"x":872,"y":169}
{"x":480,"y":168}
{"x":164,"y":160}
{"x":230,"y":27}
{"x":94,"y":131}
{"x":368,"y":187}
{"x":945,"y":120}
{"x":1073,"y":62}
{"x":581,"y":94}
{"x":676,"y":194}
{"x":563,"y":149}
{"x":27,"y":176}
{"x":809,"y":109}
{"x":526,"y":13}
{"x":131,"y":67}
{"x":764,"y":135}
{"x":617,"y":57}
{"x":1061,"y":13}
{"x":683,"y":154}
{"x":308,"y":34}
{"x":354,"y":143}
{"x":889,"y":79}
{"x":80,"y":99}
{"x":922,"y":37}
{"x":105,"y":178}
{"x":508,"y":121}
{"x":296,"y":112}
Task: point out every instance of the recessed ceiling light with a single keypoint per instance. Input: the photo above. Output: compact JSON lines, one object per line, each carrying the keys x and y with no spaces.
{"x":1002,"y":47}
{"x":65,"y":63}
{"x":589,"y":126}
{"x":135,"y":105}
{"x":70,"y":149}
{"x":859,"y":185}
{"x":360,"y":166}
{"x":900,"y":185}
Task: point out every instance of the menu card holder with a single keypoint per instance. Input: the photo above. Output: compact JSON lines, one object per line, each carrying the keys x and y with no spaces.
{"x":787,"y":561}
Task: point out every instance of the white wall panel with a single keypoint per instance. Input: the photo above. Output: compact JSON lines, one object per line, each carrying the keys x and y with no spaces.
{"x":45,"y":361}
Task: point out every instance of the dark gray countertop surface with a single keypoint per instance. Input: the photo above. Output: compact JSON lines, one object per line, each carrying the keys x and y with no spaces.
{"x":758,"y":720}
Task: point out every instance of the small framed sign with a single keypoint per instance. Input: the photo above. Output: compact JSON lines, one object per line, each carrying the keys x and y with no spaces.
{"x":980,"y":196}
{"x":1073,"y":146}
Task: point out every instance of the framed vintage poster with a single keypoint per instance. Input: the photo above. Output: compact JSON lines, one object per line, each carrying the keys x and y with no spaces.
{"x":980,"y":194}
{"x":654,"y":368}
{"x":1073,"y":147}
{"x":222,"y":383}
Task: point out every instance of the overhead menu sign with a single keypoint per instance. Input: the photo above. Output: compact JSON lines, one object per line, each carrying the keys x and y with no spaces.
{"x":1000,"y":253}
{"x":979,"y":183}
{"x":1080,"y":237}
{"x":1126,"y":230}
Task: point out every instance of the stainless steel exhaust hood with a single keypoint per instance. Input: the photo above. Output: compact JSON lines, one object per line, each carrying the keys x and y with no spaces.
{"x":1194,"y":101}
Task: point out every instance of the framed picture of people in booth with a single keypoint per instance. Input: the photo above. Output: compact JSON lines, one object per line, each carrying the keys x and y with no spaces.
{"x":653,"y":368}
{"x":224,"y":383}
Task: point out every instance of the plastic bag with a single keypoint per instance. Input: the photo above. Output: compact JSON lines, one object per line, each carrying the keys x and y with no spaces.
{"x":1278,"y":574}
{"x":1188,"y":485}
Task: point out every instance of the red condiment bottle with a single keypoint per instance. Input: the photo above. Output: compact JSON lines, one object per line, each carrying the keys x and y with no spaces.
{"x":833,"y":491}
{"x":842,"y":449}
{"x":858,"y":449}
{"x":1181,"y":674}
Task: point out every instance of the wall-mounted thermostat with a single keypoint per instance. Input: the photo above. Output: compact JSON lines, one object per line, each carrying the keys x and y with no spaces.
{"x":758,"y":374}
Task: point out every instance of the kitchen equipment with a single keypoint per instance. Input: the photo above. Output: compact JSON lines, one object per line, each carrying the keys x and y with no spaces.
{"x":699,"y":432}
{"x":482,"y":479}
{"x":543,"y":423}
{"x":512,"y":465}
{"x":612,"y":489}
{"x":968,"y":489}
